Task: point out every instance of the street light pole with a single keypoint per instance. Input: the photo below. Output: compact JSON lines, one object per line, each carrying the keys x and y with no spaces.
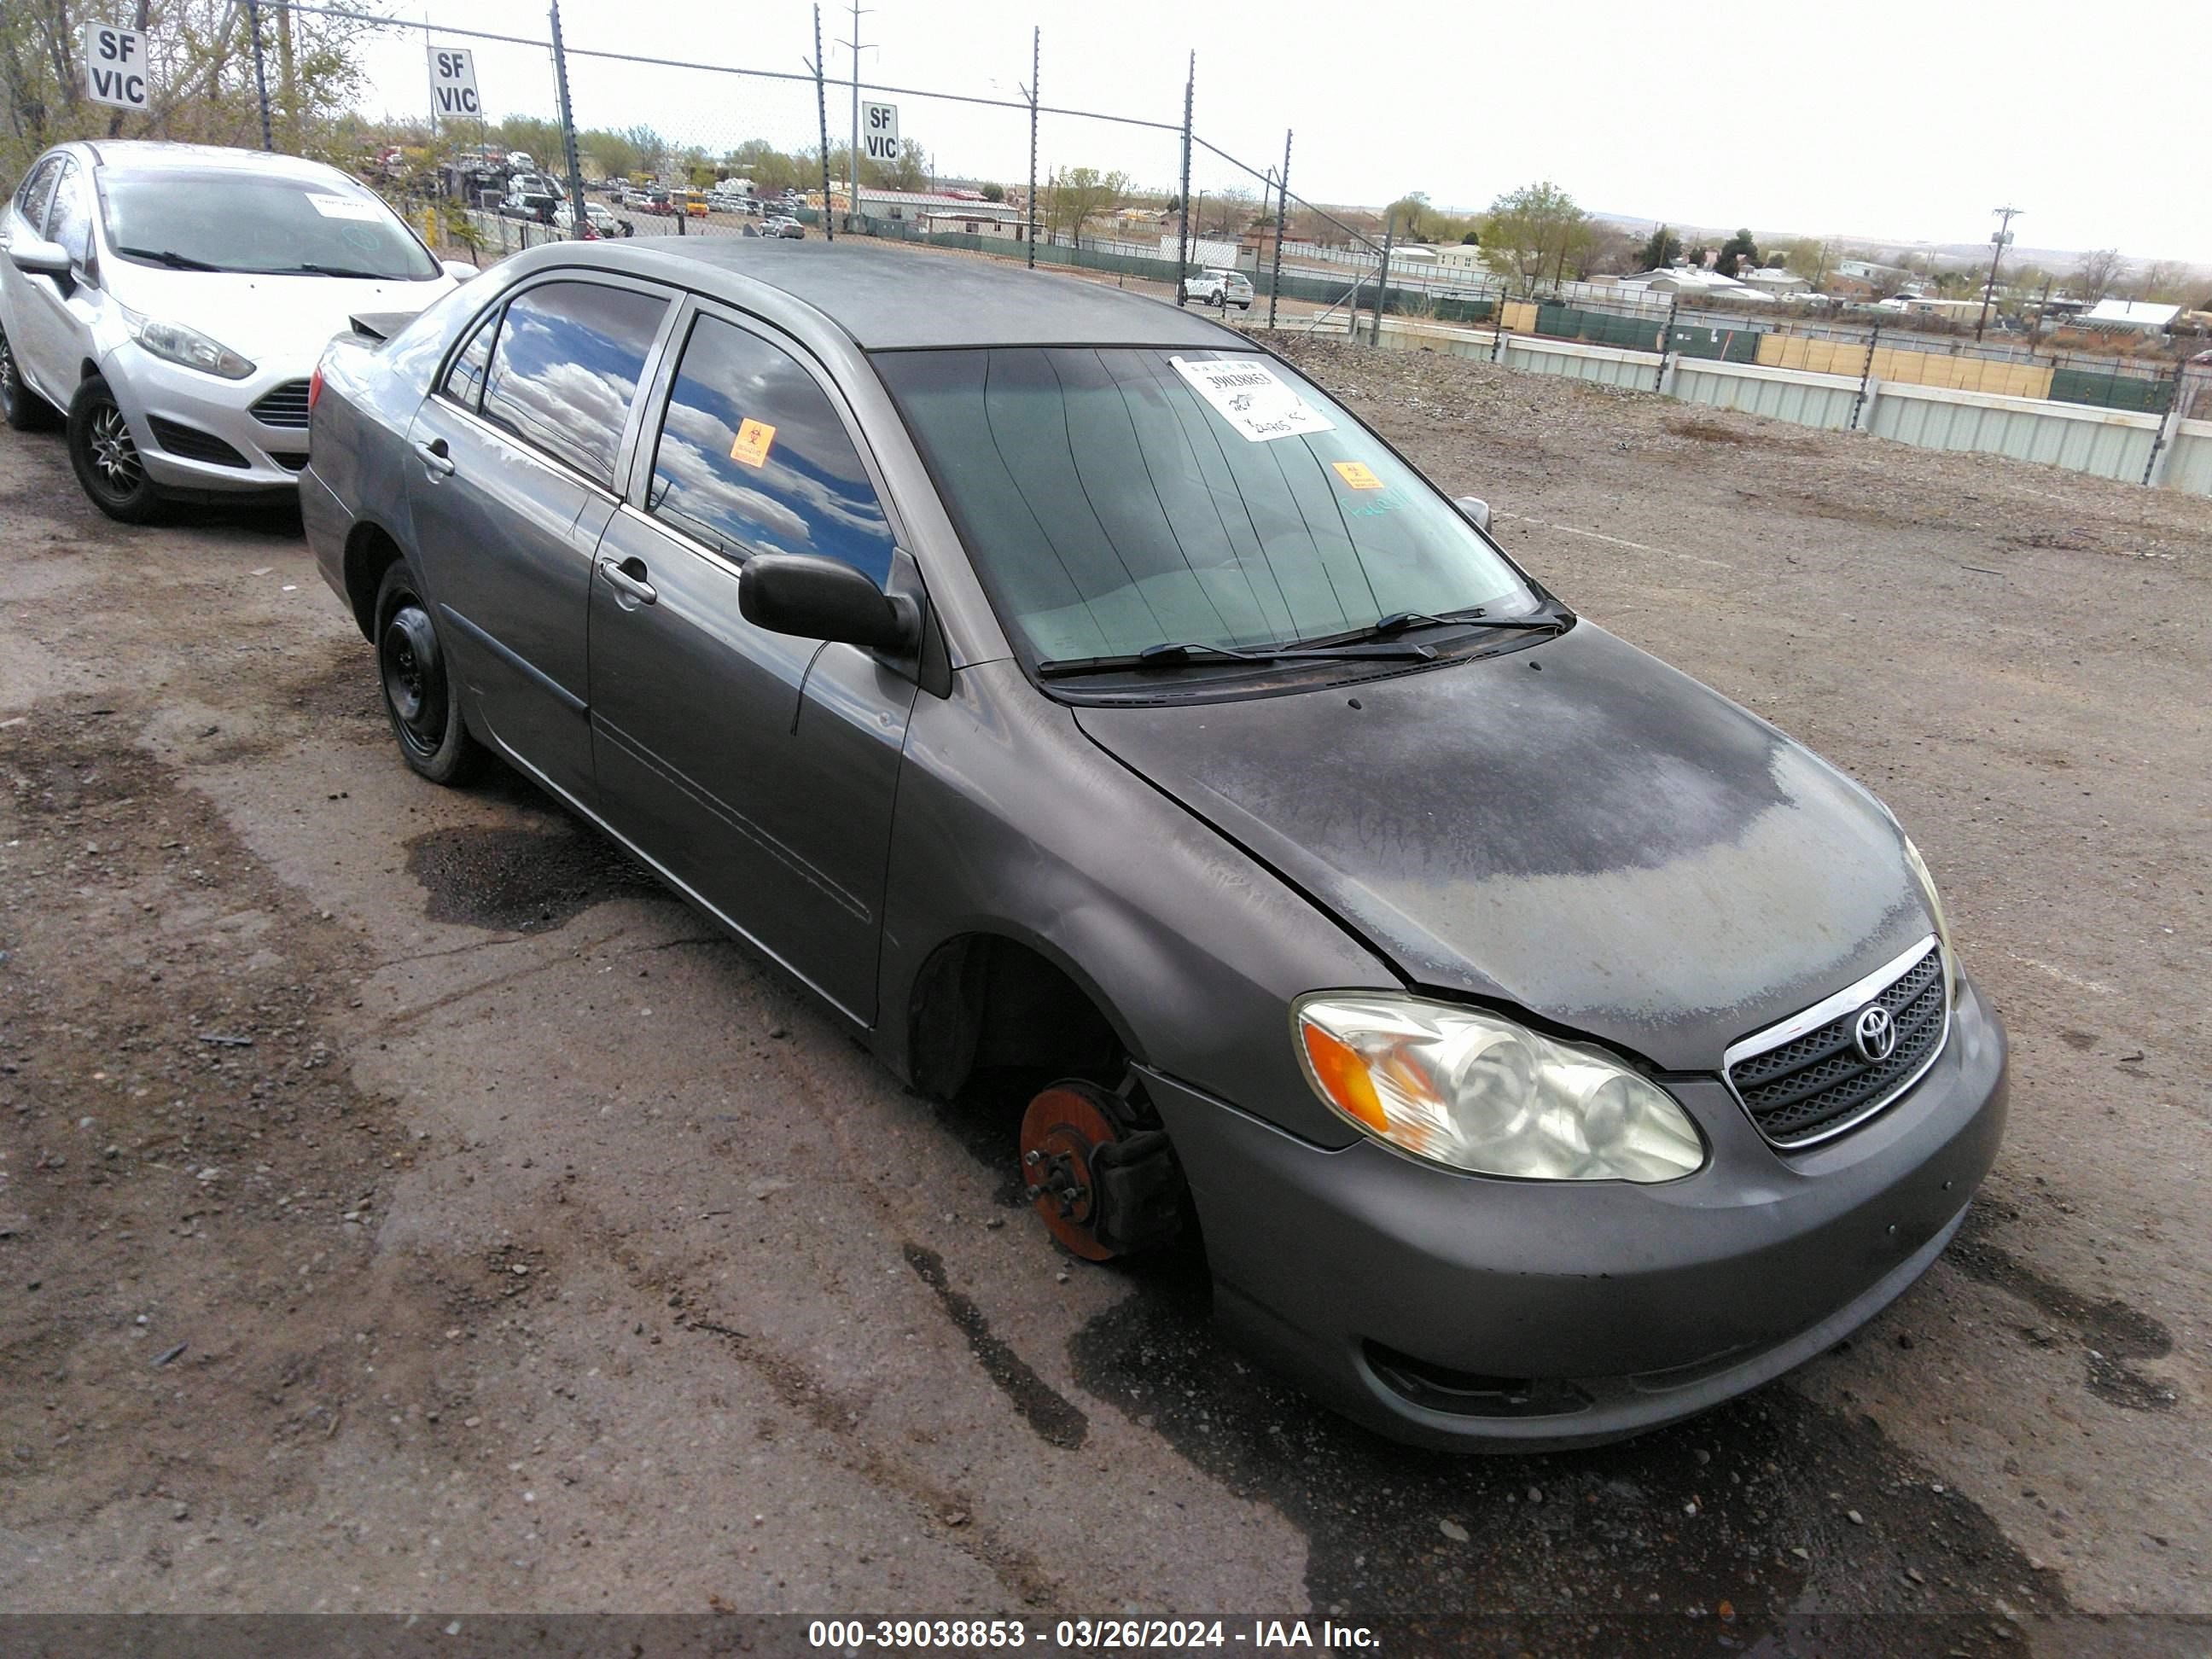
{"x":2003,"y":234}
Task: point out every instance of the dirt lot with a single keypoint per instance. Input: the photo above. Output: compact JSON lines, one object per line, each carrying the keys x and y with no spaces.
{"x":404,"y":1204}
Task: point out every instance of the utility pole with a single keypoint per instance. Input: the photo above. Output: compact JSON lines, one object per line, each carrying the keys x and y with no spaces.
{"x":858,"y":46}
{"x":1997,"y":240}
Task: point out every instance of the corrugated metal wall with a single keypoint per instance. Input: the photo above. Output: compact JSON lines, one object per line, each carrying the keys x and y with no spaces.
{"x":2110,"y":446}
{"x":2190,"y":466}
{"x":1605,"y":367}
{"x":2108,"y":443}
{"x":1796,"y":401}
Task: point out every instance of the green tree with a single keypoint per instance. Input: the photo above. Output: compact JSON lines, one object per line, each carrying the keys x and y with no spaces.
{"x":1811,"y":256}
{"x":1076,"y":196}
{"x":1663,"y":248}
{"x":994,"y":192}
{"x":1739,"y":254}
{"x":200,"y":73}
{"x":1530,"y":235}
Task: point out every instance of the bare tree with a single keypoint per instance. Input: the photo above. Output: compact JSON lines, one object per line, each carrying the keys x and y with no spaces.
{"x":2098,"y":273}
{"x":2166,"y":280}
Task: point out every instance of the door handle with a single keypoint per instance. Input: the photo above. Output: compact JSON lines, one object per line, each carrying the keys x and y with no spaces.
{"x":630,"y":577}
{"x":435,"y":457}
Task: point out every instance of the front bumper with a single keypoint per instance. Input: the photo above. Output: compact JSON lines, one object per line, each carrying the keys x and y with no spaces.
{"x":184,"y":422}
{"x":1475,"y":1314}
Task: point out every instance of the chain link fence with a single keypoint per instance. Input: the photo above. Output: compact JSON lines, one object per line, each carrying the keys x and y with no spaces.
{"x":552,"y":140}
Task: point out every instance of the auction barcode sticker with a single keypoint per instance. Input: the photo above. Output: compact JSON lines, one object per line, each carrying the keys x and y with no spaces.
{"x":1247,"y":393}
{"x":345,"y":207}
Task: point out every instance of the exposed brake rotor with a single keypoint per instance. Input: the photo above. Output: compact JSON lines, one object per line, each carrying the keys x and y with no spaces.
{"x":1104,"y":1183}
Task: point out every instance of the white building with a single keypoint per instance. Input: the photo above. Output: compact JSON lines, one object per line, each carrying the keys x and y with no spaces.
{"x":2138,"y":314}
{"x":1772,"y":279}
{"x":1691,"y":280}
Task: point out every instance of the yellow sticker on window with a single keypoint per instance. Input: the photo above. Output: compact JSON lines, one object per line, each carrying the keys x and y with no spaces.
{"x":1357,"y":475}
{"x":751,"y":447}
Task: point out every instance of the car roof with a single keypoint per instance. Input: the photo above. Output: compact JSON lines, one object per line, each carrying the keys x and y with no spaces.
{"x":147,"y":154}
{"x":890,"y":300}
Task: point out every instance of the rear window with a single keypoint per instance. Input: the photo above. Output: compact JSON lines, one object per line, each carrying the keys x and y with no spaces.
{"x":1117,"y":499}
{"x":566,"y":367}
{"x":225,"y":219}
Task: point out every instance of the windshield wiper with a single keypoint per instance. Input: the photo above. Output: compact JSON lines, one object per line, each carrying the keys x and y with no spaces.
{"x":1399,"y":621}
{"x":169,"y":256}
{"x":323,"y":270}
{"x":1178,"y":653}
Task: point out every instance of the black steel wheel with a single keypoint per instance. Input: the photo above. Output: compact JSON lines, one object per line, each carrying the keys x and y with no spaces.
{"x":20,"y":406}
{"x":106,"y":456}
{"x":419,"y":696}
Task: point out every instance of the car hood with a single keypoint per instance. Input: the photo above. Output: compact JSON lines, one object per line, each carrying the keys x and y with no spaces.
{"x":1574,"y":828}
{"x":272,"y":320}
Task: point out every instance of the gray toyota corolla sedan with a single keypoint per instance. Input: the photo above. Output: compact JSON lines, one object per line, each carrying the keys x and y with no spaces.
{"x":1543,"y":1046}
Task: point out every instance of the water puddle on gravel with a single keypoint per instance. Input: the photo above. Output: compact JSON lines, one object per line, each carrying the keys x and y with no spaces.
{"x":1580,"y":1547}
{"x":519,"y":879}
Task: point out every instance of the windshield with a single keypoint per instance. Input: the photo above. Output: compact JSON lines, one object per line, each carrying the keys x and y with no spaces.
{"x":1112,"y":499}
{"x":227,"y":220}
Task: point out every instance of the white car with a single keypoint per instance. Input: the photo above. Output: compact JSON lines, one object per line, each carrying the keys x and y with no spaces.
{"x":1216,"y":287}
{"x":172,"y":302}
{"x":596,"y":215}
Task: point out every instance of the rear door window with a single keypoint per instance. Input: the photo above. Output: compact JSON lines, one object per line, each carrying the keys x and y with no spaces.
{"x":464,"y":380}
{"x":753,"y":457}
{"x":565,"y":368}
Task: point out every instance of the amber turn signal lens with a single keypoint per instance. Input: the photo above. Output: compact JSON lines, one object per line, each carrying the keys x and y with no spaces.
{"x":1343,"y":1075}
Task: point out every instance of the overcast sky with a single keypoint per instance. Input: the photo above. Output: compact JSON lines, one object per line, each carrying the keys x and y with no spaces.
{"x":1910,"y":123}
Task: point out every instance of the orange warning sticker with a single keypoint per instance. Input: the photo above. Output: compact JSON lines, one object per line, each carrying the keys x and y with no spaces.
{"x":1357,"y":475}
{"x":751,"y":447}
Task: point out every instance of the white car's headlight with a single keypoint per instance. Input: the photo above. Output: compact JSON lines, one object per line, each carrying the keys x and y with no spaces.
{"x":1473,"y":1091}
{"x":1935,"y":902}
{"x":189,"y":346}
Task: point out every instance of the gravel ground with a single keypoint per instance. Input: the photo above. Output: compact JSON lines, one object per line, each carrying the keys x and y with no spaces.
{"x":404,"y":1204}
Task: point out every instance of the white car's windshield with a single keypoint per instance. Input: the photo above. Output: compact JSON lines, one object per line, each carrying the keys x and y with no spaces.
{"x":230,"y":221}
{"x":1116,"y":500}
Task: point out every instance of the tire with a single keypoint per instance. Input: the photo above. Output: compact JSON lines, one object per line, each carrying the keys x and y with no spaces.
{"x":106,"y":456}
{"x":416,"y":689}
{"x":20,"y":406}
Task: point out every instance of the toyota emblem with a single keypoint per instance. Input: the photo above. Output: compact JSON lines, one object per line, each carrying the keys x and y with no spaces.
{"x":1875,"y":1034}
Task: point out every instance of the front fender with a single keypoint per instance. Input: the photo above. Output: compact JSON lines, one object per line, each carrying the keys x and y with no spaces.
{"x":1010,"y":822}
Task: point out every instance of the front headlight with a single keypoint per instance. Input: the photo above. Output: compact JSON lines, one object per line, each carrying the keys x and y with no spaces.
{"x":1935,"y":902}
{"x":189,"y":346}
{"x":1470,"y":1090}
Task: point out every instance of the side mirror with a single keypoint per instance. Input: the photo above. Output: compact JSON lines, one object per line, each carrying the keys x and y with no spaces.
{"x":819,"y":598}
{"x":1477,"y":510}
{"x":39,"y":258}
{"x":459,"y":270}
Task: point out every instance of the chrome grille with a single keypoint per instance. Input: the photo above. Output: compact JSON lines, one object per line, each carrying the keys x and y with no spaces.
{"x":1809,"y":1083}
{"x":284,"y":405}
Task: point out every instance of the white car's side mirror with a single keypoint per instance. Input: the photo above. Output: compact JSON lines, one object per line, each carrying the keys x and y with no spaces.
{"x":1477,"y":510}
{"x":39,"y":256}
{"x":459,"y":270}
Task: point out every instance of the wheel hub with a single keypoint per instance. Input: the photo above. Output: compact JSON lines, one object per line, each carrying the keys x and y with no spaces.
{"x":1104,"y":1185}
{"x":113,"y":452}
{"x":412,"y":683}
